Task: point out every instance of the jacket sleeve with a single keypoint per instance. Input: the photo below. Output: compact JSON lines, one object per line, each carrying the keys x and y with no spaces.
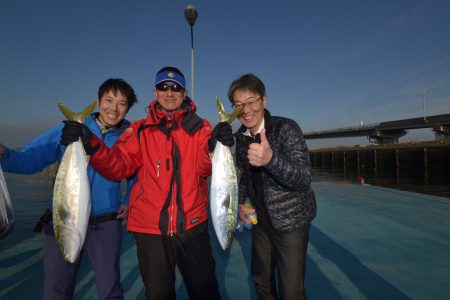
{"x":290,"y":165}
{"x":130,"y":183}
{"x":204,"y":166}
{"x":120,"y":161}
{"x":35,"y":155}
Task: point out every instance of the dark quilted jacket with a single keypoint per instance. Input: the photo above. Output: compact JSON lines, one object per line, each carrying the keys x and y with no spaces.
{"x":288,"y":196}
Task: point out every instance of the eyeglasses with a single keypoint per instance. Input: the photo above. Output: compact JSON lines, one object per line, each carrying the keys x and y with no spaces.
{"x":251,"y":102}
{"x":164,"y":87}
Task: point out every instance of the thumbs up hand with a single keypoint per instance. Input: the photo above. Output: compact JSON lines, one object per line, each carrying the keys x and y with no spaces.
{"x":260,"y":155}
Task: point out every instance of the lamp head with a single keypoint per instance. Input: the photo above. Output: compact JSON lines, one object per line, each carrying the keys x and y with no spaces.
{"x":190,"y":13}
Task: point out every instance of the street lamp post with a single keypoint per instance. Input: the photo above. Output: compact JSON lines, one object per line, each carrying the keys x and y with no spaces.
{"x":423,"y":103}
{"x":190,"y":13}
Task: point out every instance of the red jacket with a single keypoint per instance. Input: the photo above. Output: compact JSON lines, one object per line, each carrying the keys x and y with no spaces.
{"x":168,"y":197}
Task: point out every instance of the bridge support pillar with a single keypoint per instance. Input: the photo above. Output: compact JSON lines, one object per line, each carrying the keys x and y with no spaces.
{"x":386,"y":136}
{"x":441,"y":132}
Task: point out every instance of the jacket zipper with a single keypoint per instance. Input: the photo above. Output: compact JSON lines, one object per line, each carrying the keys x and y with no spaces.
{"x":171,"y":214}
{"x":169,"y":124}
{"x":157,"y":167}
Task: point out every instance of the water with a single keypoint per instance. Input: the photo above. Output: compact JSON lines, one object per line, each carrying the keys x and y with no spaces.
{"x":30,"y":195}
{"x":438,"y":187}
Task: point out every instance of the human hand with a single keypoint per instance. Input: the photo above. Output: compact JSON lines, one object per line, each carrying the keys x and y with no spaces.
{"x":260,"y":155}
{"x":122,"y":213}
{"x":244,"y":211}
{"x":74,"y":130}
{"x":223,"y":133}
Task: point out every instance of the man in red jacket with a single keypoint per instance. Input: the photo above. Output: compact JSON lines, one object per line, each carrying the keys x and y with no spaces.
{"x":168,"y":203}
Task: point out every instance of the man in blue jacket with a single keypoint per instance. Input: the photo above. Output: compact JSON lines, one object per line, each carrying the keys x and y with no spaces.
{"x":108,"y":209}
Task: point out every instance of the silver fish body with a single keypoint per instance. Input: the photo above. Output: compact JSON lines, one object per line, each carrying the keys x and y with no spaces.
{"x":7,"y":218}
{"x":72,"y":193}
{"x":223,"y":201}
{"x":71,"y":202}
{"x":224,"y":195}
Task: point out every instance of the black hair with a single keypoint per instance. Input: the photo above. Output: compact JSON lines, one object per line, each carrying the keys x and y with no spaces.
{"x":117,"y":84}
{"x":170,"y":69}
{"x":247,"y":82}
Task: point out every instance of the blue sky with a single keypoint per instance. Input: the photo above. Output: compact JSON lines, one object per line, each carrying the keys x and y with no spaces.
{"x":325,"y":63}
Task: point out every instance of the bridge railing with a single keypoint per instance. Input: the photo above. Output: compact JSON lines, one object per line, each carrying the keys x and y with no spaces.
{"x":345,"y":129}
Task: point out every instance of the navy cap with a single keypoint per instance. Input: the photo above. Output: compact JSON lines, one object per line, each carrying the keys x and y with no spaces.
{"x":170,"y":76}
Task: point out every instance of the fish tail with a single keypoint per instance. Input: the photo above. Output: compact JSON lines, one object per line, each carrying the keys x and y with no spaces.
{"x":81,"y":116}
{"x":223,"y":115}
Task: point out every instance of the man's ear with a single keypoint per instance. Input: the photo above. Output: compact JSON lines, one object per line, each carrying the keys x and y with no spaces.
{"x":264,"y":101}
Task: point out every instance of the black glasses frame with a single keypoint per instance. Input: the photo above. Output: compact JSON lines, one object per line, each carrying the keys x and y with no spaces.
{"x":164,"y":87}
{"x":251,"y":104}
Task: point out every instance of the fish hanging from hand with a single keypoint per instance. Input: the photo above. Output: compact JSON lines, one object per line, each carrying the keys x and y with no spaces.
{"x":71,"y":194}
{"x":224,"y":186}
{"x":7,"y":218}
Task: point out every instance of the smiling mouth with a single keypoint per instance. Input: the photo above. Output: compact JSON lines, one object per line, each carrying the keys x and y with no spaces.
{"x":246,"y":118}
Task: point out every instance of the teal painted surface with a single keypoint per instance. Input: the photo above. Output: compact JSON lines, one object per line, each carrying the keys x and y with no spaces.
{"x":367,"y":242}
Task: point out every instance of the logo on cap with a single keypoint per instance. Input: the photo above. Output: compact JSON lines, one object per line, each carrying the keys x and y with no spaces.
{"x":170,"y":75}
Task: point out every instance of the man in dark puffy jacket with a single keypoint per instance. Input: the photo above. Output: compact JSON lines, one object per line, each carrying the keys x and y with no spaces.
{"x":276,"y":176}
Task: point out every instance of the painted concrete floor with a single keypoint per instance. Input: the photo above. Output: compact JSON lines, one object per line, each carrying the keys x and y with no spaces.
{"x":366,"y":242}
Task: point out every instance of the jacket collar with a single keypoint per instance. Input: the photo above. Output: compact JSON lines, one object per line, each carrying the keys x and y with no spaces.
{"x":92,"y":119}
{"x":156,"y":114}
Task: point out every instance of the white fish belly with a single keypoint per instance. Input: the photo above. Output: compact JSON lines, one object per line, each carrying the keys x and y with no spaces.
{"x":224,"y":195}
{"x":71,"y":202}
{"x":7,"y":218}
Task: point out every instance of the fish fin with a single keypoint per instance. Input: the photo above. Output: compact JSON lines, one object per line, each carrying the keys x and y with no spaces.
{"x":223,"y":115}
{"x":81,"y":116}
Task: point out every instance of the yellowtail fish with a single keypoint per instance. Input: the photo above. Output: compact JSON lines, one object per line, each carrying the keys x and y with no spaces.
{"x":224,"y":186}
{"x":7,"y":219}
{"x":71,"y":194}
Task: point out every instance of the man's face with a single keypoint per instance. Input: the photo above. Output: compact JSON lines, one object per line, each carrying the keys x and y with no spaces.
{"x":113,"y":108}
{"x":170,"y":95}
{"x":253,"y":113}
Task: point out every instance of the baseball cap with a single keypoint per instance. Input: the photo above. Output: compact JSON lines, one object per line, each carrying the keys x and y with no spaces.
{"x":170,"y":76}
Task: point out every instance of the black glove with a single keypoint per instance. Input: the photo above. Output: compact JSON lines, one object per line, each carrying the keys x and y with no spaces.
{"x":74,"y":130}
{"x":223,"y":133}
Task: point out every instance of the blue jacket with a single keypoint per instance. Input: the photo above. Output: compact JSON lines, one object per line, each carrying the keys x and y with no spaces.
{"x":106,"y":196}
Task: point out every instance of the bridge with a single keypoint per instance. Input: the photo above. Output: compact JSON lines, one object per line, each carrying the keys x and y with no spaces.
{"x":388,"y":132}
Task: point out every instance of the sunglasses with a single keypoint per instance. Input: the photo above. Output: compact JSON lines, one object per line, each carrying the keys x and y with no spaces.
{"x":164,"y":87}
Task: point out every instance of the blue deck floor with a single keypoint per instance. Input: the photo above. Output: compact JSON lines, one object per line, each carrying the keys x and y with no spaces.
{"x":366,"y":243}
